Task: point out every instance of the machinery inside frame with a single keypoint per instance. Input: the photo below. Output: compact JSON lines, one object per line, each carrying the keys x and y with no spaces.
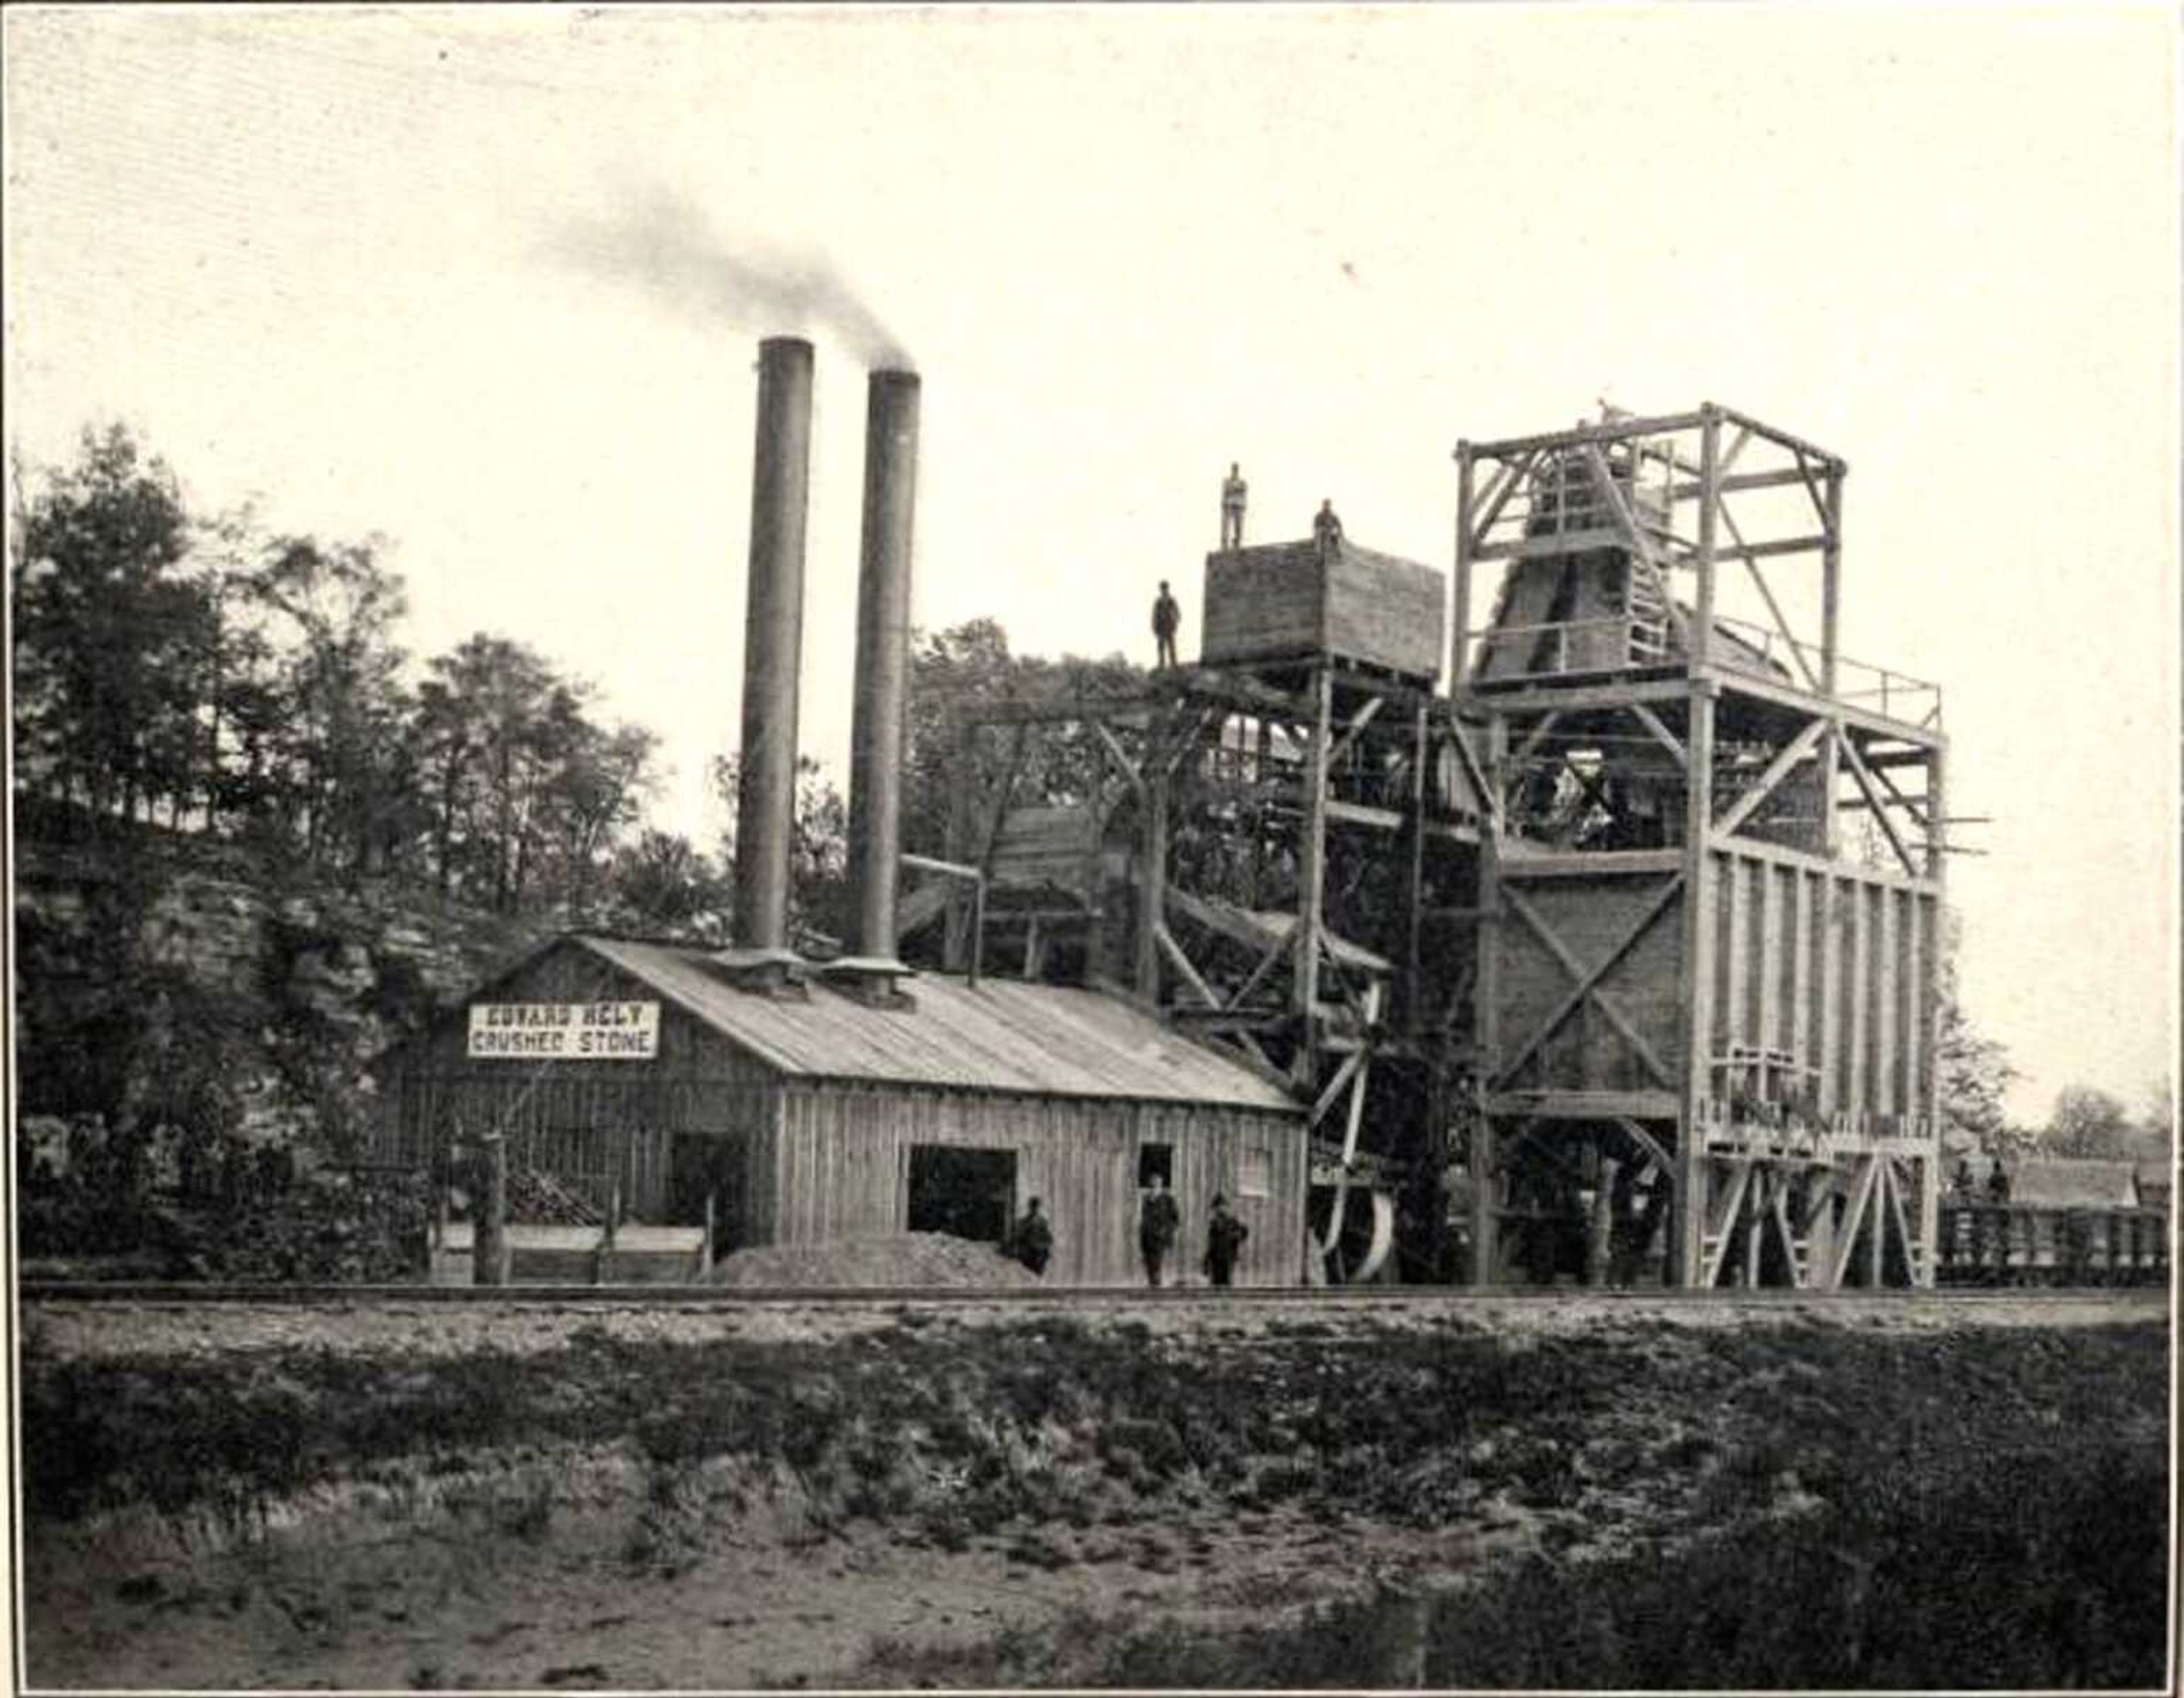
{"x":1603,"y":942}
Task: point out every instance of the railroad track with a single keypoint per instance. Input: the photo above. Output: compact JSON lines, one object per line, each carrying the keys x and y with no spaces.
{"x":730,"y":1297}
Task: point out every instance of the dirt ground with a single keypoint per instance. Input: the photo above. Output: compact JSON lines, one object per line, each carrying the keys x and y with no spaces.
{"x":530,"y":1575}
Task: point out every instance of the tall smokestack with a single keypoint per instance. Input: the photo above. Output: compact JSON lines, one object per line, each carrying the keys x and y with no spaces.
{"x":773,"y":635}
{"x":877,"y":721}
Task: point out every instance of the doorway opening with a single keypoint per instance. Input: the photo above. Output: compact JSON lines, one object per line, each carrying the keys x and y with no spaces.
{"x":971,"y":1193}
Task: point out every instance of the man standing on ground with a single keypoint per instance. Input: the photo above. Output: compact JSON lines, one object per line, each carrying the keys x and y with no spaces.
{"x":1157,"y":1222}
{"x":1167,"y":618}
{"x":1224,"y":1242}
{"x":1032,"y":1241}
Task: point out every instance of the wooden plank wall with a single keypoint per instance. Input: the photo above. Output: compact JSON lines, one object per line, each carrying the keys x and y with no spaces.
{"x":1591,"y":915}
{"x":1263,"y":601}
{"x":843,"y":1168}
{"x":589,"y":1124}
{"x":1385,"y":612}
{"x":1836,"y":965}
{"x":1360,"y":605}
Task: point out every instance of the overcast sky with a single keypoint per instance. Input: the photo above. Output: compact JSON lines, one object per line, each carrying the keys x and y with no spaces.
{"x":469,"y":280}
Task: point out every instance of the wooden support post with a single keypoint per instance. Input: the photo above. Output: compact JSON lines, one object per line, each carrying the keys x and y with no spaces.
{"x":1687,"y":1225}
{"x":1414,"y":886}
{"x":1153,"y":888}
{"x":1755,"y":1215}
{"x":1485,"y":1219}
{"x":489,"y":1231}
{"x":956,"y":945}
{"x":977,"y":930}
{"x":1312,"y":863}
{"x":1876,"y":1216}
{"x":1600,"y":1244}
{"x":1485,"y":1198}
{"x":1459,"y":640}
{"x":1700,"y":638}
{"x":1831,"y":580}
{"x":1262,"y":737}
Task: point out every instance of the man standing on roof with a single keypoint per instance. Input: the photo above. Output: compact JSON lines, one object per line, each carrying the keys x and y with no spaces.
{"x":1327,"y":530}
{"x":1158,"y":1221}
{"x":1233,"y":492}
{"x":1167,"y":617}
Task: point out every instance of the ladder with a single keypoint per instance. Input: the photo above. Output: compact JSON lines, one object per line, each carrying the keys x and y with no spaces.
{"x":1649,"y":615}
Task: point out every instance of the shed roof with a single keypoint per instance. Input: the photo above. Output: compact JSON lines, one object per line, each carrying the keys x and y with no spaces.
{"x":2073,"y":1184}
{"x":1049,"y":1040}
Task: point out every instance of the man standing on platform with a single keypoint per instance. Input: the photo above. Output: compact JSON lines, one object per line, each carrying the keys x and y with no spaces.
{"x":1167,"y":617}
{"x":1327,"y":530}
{"x":1233,"y":492}
{"x":1157,"y":1223}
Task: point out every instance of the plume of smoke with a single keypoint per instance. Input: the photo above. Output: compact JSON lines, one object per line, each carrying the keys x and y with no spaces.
{"x":663,"y":245}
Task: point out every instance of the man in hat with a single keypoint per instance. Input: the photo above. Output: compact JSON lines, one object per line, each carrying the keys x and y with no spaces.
{"x":1167,"y":617}
{"x":1224,"y":1242}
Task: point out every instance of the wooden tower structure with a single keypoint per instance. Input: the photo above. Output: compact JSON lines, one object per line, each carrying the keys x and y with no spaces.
{"x":1710,"y":896}
{"x":1616,"y":960}
{"x":1276,"y":847}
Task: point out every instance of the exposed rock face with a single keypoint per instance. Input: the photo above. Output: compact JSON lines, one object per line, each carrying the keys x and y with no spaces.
{"x":187,"y":948}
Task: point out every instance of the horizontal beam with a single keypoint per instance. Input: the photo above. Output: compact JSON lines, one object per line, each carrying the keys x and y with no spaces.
{"x":1600,"y":864}
{"x":1586,"y":1104}
{"x":1528,"y":696}
{"x":1745,"y":684}
{"x":946,"y":869}
{"x":1783,"y":439}
{"x":1751,"y":849}
{"x":1364,"y":813}
{"x":1789,"y":476}
{"x":1614,"y":430}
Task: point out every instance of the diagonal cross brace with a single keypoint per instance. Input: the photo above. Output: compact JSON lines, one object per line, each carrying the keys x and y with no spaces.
{"x":1846,"y":1234}
{"x":1587,"y":988}
{"x":1731,"y":1205}
{"x":1873,"y":800}
{"x":1794,"y":754}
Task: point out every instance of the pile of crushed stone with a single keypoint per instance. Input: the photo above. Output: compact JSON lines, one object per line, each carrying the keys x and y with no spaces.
{"x":906,"y":1260}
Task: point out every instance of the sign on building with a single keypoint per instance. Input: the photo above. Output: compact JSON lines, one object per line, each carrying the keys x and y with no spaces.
{"x":564,"y":1031}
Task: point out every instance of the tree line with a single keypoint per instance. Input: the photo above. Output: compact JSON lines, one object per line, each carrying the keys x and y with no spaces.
{"x":206,"y":674}
{"x":202,"y":674}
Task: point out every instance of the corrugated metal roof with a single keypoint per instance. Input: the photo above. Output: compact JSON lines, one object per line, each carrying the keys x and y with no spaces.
{"x":1050,"y":1040}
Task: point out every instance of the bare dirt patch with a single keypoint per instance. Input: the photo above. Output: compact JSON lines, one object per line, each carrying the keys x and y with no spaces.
{"x":421,"y":1495}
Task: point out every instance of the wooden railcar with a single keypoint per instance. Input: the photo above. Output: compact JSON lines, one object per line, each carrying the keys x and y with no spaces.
{"x":2052,"y":1244}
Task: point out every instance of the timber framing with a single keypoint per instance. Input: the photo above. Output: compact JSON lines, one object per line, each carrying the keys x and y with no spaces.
{"x":1710,"y":906}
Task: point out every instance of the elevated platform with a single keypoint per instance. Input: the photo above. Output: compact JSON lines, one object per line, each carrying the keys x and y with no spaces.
{"x":1292,"y":601}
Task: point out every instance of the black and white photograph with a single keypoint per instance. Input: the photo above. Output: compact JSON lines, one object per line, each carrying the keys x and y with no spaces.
{"x":1173,"y":847}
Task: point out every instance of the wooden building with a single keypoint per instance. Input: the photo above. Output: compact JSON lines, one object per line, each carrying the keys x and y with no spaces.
{"x":657,"y":1075}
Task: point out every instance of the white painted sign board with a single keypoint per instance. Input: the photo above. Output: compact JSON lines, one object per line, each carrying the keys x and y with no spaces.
{"x":564,"y":1031}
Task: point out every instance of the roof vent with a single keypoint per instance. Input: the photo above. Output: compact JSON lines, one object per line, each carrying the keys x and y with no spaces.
{"x":766,"y":973}
{"x":872,"y":980}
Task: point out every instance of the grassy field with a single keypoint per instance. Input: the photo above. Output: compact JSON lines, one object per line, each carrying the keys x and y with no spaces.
{"x":1801,"y":1502}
